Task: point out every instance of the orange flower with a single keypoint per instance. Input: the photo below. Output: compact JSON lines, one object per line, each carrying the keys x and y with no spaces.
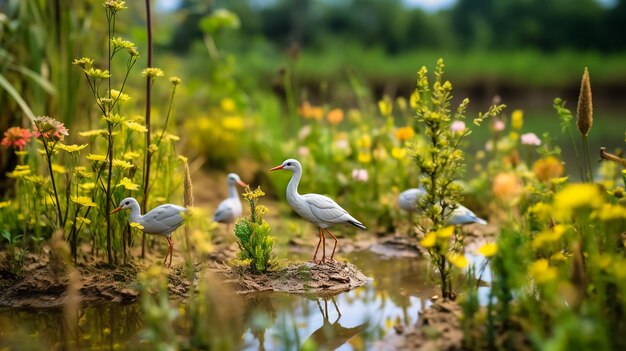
{"x":548,"y":168}
{"x":335,"y":116}
{"x":405,"y":133}
{"x":506,"y":187}
{"x":308,"y":111}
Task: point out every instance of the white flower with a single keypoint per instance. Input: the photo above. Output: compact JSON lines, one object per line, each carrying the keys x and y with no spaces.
{"x":530,"y":139}
{"x":457,"y":127}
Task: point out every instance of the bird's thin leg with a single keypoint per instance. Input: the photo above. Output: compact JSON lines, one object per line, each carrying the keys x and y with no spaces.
{"x":170,"y":246}
{"x":334,"y":247}
{"x":323,"y":246}
{"x":314,"y":259}
{"x":171,"y":251}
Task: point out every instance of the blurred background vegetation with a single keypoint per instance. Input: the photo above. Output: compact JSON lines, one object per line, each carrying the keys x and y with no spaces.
{"x":261,"y":59}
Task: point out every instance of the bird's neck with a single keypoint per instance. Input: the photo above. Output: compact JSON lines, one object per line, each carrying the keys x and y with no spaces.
{"x":232,"y":191}
{"x":292,"y":187}
{"x":135,"y":213}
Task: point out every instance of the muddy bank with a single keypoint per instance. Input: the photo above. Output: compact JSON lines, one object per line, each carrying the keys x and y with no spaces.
{"x":438,"y":328}
{"x":302,"y":278}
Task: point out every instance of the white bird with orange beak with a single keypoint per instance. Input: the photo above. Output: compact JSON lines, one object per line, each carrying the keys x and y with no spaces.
{"x":162,"y":220}
{"x":317,"y":209}
{"x":230,"y":209}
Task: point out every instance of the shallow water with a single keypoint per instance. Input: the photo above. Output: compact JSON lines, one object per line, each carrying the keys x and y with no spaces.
{"x":353,"y":320}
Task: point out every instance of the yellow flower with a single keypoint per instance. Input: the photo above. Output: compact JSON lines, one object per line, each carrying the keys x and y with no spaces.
{"x":136,"y":225}
{"x":182,"y":159}
{"x":385,"y":106}
{"x":94,"y":132}
{"x":335,"y":116}
{"x":130,"y":155}
{"x":152,"y":148}
{"x":5,"y":204}
{"x":549,"y":236}
{"x":488,"y":249}
{"x":18,"y":173}
{"x":609,"y":212}
{"x":152,"y":72}
{"x":83,"y":201}
{"x":122,"y":164}
{"x":429,"y":240}
{"x":228,"y":104}
{"x":71,"y":148}
{"x":457,"y":260}
{"x":542,"y":211}
{"x":56,"y":168}
{"x":558,"y":257}
{"x":233,"y":123}
{"x":547,"y":168}
{"x":405,"y":133}
{"x":541,"y":271}
{"x":96,"y":157}
{"x":415,"y":99}
{"x":398,"y":153}
{"x":201,"y":242}
{"x":114,"y":118}
{"x":364,"y":157}
{"x":517,"y":119}
{"x":87,"y":186}
{"x":445,"y":232}
{"x":121,"y":97}
{"x":134,"y":126}
{"x":83,"y":220}
{"x":575,"y":196}
{"x":128,"y":184}
{"x":365,"y":141}
{"x":175,"y":80}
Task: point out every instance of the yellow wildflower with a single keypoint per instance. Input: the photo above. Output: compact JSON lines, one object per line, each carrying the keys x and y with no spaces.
{"x":233,"y":123}
{"x":182,"y":159}
{"x":517,"y":119}
{"x":415,"y":99}
{"x":365,"y":141}
{"x":83,"y":201}
{"x":398,"y":153}
{"x":385,"y":106}
{"x":87,"y":186}
{"x":364,"y":157}
{"x":542,"y":211}
{"x":122,"y":164}
{"x":94,"y":132}
{"x":4,"y":204}
{"x":547,"y":168}
{"x":136,"y":225}
{"x":128,"y":184}
{"x":71,"y":148}
{"x":121,"y":97}
{"x":549,"y":236}
{"x":18,"y":173}
{"x":445,"y":232}
{"x":57,"y":168}
{"x":541,"y":271}
{"x":558,"y":257}
{"x":457,"y":260}
{"x":228,"y":104}
{"x":131,"y":155}
{"x":114,"y":118}
{"x":96,"y":157}
{"x":175,"y":80}
{"x":83,"y":220}
{"x":405,"y":133}
{"x":134,"y":126}
{"x":429,"y":240}
{"x":576,"y":196}
{"x":152,"y":148}
{"x":152,"y":72}
{"x":201,"y":242}
{"x":609,"y":212}
{"x":488,"y":249}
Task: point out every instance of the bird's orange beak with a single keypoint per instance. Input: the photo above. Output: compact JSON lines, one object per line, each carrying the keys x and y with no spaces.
{"x":241,"y":183}
{"x":118,"y":209}
{"x":277,"y":168}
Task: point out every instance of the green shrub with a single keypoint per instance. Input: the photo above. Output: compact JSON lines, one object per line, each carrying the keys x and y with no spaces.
{"x":253,"y":234}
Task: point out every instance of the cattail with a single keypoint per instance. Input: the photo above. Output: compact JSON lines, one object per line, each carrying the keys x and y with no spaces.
{"x":584,"y":114}
{"x":188,"y":190}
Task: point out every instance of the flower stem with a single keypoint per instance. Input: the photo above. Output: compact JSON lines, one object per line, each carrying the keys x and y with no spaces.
{"x":146,"y":165}
{"x":54,"y":186}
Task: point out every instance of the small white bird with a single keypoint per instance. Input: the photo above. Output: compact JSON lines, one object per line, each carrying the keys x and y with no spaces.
{"x":162,"y":220}
{"x":317,"y":209}
{"x":230,"y":209}
{"x":460,"y":215}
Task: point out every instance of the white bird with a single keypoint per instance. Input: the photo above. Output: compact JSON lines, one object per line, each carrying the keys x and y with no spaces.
{"x":460,"y":215}
{"x":162,"y":220}
{"x":228,"y":210}
{"x":317,"y":209}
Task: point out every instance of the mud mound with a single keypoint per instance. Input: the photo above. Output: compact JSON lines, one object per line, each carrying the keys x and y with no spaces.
{"x":438,"y":328}
{"x":303,"y":278}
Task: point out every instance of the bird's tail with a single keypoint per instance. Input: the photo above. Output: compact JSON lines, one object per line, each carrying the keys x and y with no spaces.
{"x":480,"y":221}
{"x":357,"y":224}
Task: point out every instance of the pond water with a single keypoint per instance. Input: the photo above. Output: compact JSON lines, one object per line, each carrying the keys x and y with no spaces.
{"x":353,"y":320}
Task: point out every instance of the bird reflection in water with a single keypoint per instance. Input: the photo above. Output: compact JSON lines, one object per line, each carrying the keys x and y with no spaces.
{"x":330,"y":336}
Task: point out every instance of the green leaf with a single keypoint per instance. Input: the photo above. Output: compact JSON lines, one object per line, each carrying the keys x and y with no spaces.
{"x":16,"y":96}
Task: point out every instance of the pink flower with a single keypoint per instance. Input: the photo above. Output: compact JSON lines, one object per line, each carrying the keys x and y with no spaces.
{"x":342,"y":144}
{"x":530,"y":139}
{"x":303,"y":151}
{"x":498,"y":125}
{"x":457,"y":126}
{"x":16,"y":137}
{"x":360,"y":175}
{"x":49,"y":128}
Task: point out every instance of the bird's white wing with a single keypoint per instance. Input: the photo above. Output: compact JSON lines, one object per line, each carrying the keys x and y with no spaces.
{"x":163,"y":219}
{"x":224,"y":212}
{"x":324,"y":208}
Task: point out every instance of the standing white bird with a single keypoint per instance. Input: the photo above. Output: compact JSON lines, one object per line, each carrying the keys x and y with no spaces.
{"x":228,"y":210}
{"x":317,"y":209}
{"x":460,"y":215}
{"x":162,"y":220}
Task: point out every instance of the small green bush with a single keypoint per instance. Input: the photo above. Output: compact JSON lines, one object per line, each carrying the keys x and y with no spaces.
{"x":253,"y":234}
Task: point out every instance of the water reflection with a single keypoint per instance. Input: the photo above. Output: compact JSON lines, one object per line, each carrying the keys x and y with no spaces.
{"x":272,"y":321}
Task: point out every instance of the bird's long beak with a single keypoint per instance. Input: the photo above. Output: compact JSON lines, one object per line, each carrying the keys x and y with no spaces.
{"x":116,"y":210}
{"x":241,"y":183}
{"x":277,"y":168}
